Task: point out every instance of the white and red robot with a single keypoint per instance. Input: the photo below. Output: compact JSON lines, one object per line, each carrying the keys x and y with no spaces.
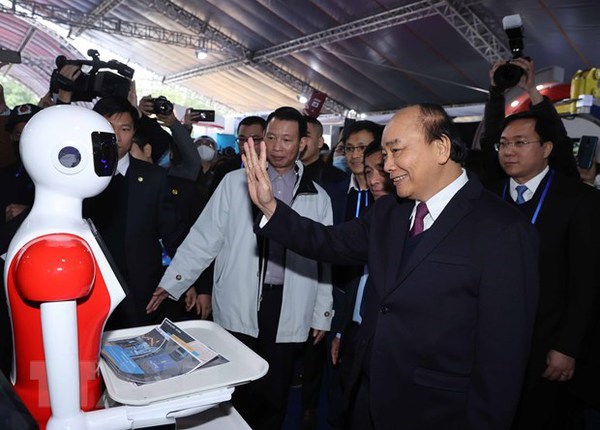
{"x":59,"y":283}
{"x":61,"y":287}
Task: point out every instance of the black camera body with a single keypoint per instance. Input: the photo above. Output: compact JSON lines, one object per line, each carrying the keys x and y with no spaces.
{"x":508,"y":75}
{"x":228,"y":152}
{"x":93,"y":83}
{"x":162,"y":106}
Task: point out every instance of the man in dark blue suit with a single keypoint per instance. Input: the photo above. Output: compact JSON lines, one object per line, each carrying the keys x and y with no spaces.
{"x":133,"y":215}
{"x":448,"y":315}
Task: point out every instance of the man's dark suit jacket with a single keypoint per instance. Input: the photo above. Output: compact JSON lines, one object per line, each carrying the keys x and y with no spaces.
{"x":569,"y":235}
{"x":148,"y":214}
{"x":446,"y":331}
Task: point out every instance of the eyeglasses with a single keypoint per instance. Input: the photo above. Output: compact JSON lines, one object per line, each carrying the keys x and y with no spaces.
{"x":243,"y":140}
{"x":505,"y":144}
{"x":351,"y":149}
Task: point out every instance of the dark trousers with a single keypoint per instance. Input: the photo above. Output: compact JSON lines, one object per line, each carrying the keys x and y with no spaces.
{"x":263,"y":403}
{"x":313,"y":364}
{"x":544,"y":405}
{"x":361,"y":412}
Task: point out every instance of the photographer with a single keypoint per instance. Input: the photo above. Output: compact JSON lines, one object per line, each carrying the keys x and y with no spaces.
{"x":561,"y":158}
{"x":185,"y":161}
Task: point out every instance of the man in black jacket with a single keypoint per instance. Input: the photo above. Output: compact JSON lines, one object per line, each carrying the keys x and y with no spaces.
{"x":536,"y":158}
{"x":134,"y":214}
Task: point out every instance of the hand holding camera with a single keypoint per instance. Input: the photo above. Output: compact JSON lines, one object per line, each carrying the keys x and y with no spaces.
{"x":146,"y":105}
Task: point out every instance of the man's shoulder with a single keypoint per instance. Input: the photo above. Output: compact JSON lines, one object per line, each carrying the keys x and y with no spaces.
{"x":149,"y":169}
{"x":574,"y":187}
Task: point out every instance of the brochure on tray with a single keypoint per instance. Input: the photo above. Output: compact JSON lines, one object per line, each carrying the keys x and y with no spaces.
{"x":164,"y":352}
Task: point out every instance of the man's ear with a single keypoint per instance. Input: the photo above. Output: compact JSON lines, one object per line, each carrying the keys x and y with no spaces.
{"x":443,"y":148}
{"x":303,"y":143}
{"x":548,"y":146}
{"x":321,"y":142}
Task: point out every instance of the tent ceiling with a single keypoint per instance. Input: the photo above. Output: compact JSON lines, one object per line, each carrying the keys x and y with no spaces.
{"x":368,"y":55}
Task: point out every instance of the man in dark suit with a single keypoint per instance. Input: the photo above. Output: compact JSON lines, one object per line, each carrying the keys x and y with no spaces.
{"x":565,"y":212}
{"x":133,"y":215}
{"x":448,"y":314}
{"x":531,"y":165}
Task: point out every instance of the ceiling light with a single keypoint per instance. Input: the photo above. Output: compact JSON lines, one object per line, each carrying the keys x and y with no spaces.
{"x":302,"y":98}
{"x":539,"y":87}
{"x":201,"y":54}
{"x":514,"y":103}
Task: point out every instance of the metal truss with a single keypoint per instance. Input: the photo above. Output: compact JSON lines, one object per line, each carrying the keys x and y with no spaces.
{"x":456,"y":12}
{"x":31,"y":9}
{"x":198,"y":26}
{"x":102,"y":9}
{"x":392,"y":17}
{"x":380,"y":21}
{"x":270,"y":69}
{"x":460,"y":16}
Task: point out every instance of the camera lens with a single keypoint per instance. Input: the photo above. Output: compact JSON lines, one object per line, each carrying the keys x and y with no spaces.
{"x":162,"y":106}
{"x":507,"y":76}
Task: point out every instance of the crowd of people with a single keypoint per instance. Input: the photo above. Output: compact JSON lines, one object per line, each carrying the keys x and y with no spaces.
{"x":421,"y":294}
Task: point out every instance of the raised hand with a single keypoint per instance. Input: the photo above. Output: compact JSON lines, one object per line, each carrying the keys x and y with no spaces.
{"x":259,"y":184}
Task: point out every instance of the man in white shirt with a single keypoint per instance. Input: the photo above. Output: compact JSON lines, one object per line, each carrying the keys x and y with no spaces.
{"x":448,"y":315}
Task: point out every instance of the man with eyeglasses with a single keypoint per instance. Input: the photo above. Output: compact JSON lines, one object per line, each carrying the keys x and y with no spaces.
{"x":565,"y":213}
{"x":249,"y":127}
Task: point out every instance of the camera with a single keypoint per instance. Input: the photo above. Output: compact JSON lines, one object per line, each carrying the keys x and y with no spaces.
{"x":162,"y":106}
{"x":228,"y":152}
{"x":508,"y":75}
{"x":93,"y":83}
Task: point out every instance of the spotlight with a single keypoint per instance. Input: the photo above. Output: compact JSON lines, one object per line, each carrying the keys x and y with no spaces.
{"x":302,"y":98}
{"x":201,"y":54}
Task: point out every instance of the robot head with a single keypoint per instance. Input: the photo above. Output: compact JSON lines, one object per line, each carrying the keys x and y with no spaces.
{"x":69,"y":149}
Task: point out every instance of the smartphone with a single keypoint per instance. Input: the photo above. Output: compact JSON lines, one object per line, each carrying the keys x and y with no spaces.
{"x":586,"y":151}
{"x":202,"y":115}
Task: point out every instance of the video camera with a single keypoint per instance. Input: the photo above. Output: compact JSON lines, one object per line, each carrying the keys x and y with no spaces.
{"x":92,"y":83}
{"x":508,"y":75}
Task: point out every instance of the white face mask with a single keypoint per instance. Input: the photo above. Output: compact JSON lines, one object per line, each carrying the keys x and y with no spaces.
{"x":206,"y":153}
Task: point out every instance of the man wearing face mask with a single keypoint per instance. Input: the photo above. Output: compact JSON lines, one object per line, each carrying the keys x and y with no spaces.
{"x":339,"y":155}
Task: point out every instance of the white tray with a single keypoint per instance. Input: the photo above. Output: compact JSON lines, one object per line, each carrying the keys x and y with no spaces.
{"x":244,"y":366}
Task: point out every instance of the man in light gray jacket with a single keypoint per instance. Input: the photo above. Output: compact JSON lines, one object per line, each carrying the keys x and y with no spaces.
{"x":270,"y":298}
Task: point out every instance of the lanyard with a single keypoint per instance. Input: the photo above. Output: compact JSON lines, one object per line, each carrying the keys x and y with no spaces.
{"x":360,"y":192}
{"x":542,"y":198}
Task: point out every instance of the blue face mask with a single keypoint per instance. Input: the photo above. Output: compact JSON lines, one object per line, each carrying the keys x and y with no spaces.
{"x":165,"y":160}
{"x":339,"y":161}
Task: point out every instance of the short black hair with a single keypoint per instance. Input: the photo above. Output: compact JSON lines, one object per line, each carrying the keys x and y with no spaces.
{"x":112,"y":105}
{"x":436,"y":123}
{"x":372,"y":148}
{"x":314,"y":121}
{"x":252,"y":120}
{"x":140,"y":139}
{"x":541,"y":127}
{"x":375,"y":129}
{"x":287,"y":113}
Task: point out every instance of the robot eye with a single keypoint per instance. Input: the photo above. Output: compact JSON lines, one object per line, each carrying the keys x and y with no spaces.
{"x":69,"y":157}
